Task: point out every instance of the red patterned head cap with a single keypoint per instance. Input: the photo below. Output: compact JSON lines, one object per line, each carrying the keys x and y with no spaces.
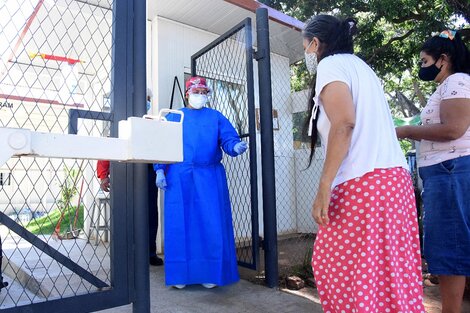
{"x":196,"y":82}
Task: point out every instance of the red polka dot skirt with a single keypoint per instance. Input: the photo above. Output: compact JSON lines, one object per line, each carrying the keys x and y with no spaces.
{"x":368,"y":259}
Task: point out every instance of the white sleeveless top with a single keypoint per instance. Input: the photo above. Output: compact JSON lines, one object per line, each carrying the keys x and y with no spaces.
{"x":432,"y":152}
{"x":374,"y":143}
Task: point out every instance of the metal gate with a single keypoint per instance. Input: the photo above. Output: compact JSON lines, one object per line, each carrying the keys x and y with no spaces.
{"x":227,"y":65}
{"x":61,"y":61}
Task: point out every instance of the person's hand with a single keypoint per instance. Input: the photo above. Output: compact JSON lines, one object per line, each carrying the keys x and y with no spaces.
{"x":240,"y":147}
{"x":161,"y":179}
{"x":321,"y":206}
{"x":104,"y":184}
{"x":402,"y":132}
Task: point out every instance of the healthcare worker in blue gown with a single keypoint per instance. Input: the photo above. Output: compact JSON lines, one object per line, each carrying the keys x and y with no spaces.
{"x":199,"y":241}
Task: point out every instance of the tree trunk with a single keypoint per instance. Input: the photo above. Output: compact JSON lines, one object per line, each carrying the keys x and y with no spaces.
{"x":406,"y":105}
{"x":422,"y":100}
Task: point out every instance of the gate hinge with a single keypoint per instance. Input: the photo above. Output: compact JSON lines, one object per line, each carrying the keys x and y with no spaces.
{"x":259,"y":54}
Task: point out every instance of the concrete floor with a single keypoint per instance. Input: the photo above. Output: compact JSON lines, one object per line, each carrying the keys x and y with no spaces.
{"x":243,"y":297}
{"x":41,"y":269}
{"x":246,"y":297}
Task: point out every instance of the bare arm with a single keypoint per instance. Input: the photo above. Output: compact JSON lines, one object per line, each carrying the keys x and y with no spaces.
{"x":338,"y":104}
{"x":455,"y":120}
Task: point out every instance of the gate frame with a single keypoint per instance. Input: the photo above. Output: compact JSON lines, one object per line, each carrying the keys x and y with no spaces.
{"x":129,"y":229}
{"x":245,"y":24}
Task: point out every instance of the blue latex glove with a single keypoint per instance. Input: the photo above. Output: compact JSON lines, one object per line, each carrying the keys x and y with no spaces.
{"x":161,"y":180}
{"x":240,"y":147}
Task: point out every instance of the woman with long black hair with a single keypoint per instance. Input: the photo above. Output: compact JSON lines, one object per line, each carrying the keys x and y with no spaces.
{"x":366,"y":255}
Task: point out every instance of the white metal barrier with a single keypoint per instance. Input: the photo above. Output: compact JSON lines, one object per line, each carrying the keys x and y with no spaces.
{"x":150,"y":139}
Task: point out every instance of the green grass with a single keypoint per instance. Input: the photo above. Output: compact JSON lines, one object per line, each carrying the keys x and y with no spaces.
{"x":45,"y":225}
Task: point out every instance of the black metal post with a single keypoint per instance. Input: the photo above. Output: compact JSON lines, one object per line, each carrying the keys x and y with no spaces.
{"x":250,"y":84}
{"x":267,"y":148}
{"x":121,"y":195}
{"x":141,"y":303}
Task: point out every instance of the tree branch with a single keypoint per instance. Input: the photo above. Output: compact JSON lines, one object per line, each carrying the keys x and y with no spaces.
{"x":411,"y":16}
{"x":400,"y":104}
{"x":388,"y":44}
{"x":460,"y":7}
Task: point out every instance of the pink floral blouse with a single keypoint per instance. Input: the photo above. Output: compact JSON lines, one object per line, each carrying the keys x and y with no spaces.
{"x":432,"y":152}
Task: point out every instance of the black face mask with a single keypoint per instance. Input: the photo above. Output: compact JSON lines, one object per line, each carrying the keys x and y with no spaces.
{"x":429,"y":73}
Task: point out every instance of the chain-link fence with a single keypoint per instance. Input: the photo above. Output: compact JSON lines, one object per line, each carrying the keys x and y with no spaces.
{"x":296,"y":183}
{"x":227,"y":66}
{"x":56,"y":56}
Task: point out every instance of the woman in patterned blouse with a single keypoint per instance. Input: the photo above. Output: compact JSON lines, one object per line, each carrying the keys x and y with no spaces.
{"x":444,"y":164}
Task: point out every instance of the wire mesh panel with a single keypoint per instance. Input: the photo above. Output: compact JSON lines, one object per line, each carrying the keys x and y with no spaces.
{"x":55,"y":56}
{"x":227,"y":66}
{"x":296,"y":183}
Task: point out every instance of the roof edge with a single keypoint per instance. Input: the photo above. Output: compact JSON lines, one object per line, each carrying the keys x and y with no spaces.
{"x":274,"y":15}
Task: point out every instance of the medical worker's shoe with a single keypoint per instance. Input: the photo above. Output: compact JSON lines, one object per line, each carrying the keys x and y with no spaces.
{"x":178,"y":286}
{"x":156,"y":261}
{"x":209,"y":286}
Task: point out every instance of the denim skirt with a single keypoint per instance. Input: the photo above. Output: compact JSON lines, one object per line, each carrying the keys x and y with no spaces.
{"x":446,"y":219}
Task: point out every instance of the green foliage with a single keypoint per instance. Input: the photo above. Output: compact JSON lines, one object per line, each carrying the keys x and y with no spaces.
{"x":68,"y":189}
{"x":389,"y":39}
{"x":300,"y":78}
{"x":415,"y":120}
{"x":298,"y":121}
{"x":45,"y":225}
{"x":405,"y":145}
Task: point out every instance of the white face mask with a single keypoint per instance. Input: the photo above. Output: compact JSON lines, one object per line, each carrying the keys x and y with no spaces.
{"x":311,"y":60}
{"x":197,"y":101}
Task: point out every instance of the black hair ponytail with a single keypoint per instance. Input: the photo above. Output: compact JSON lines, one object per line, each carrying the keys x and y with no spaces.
{"x":314,"y":134}
{"x":461,"y":64}
{"x":453,"y":47}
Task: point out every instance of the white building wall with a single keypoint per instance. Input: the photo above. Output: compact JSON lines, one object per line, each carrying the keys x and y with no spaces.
{"x":283,"y":145}
{"x":306,"y":178}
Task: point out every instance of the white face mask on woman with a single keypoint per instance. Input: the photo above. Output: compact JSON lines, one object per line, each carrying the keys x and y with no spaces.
{"x":311,"y":60}
{"x":196,"y":100}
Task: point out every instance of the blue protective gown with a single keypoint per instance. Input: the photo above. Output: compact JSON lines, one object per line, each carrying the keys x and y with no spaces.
{"x":199,"y":240}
